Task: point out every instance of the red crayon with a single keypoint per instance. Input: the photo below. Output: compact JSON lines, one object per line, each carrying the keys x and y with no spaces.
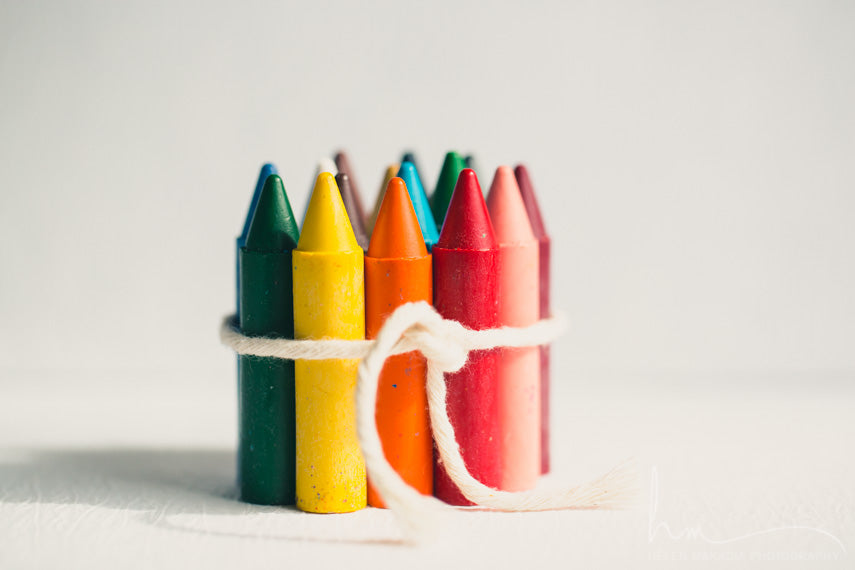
{"x":536,"y":221}
{"x":465,"y":267}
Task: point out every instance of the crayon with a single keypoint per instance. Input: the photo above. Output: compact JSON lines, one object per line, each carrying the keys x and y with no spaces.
{"x":465,"y":286}
{"x":451,"y":168}
{"x":266,"y":171}
{"x":342,"y":162}
{"x":410,"y":156}
{"x":534,"y":217}
{"x":410,"y":176}
{"x":325,"y":164}
{"x":519,"y":368}
{"x":349,"y":198}
{"x":397,"y":271}
{"x":266,"y":432}
{"x":328,"y":303}
{"x":391,"y":172}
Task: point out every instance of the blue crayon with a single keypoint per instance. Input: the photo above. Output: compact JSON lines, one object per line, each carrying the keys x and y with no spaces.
{"x":419,"y":199}
{"x":411,"y":157}
{"x":266,"y":171}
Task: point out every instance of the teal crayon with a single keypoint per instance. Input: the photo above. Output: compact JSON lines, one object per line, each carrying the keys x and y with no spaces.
{"x":410,"y":156}
{"x":266,"y":171}
{"x":410,"y":176}
{"x":266,"y":407}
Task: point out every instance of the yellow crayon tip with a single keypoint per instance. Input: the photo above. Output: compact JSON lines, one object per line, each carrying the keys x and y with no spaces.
{"x":326,"y":226}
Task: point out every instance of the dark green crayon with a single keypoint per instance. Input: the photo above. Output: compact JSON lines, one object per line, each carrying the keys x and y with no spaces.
{"x":452,"y":166}
{"x":267,"y":438}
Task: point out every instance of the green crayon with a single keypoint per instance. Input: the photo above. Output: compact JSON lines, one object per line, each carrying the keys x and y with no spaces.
{"x":267,"y":435}
{"x":452,"y":166}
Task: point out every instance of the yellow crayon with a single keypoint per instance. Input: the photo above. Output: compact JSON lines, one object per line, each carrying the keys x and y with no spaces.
{"x":328,"y":303}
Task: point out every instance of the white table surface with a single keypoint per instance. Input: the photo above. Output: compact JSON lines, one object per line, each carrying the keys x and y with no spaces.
{"x":136,"y":470}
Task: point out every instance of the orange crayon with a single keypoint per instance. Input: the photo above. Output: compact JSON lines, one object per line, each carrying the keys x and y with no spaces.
{"x":391,"y":172}
{"x":519,"y":306}
{"x":398,"y":270}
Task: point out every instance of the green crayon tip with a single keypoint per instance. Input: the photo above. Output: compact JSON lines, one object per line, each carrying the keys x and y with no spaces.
{"x":452,"y":166}
{"x":273,"y":227}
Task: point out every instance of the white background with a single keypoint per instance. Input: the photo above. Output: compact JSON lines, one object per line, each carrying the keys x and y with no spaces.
{"x":694,"y":163}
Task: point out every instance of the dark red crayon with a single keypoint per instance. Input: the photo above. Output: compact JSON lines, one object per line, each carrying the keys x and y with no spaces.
{"x":342,"y":162}
{"x":465,"y":264}
{"x":536,"y":221}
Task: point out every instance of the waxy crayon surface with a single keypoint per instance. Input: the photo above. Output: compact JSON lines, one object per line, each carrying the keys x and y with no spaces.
{"x":266,"y":431}
{"x":350,"y":205}
{"x":452,"y":166}
{"x":397,"y":271}
{"x":266,"y":170}
{"x":328,"y":303}
{"x":390,"y":173}
{"x":544,"y":246}
{"x":419,"y":200}
{"x":342,"y":162}
{"x":465,"y":277}
{"x":519,"y":368}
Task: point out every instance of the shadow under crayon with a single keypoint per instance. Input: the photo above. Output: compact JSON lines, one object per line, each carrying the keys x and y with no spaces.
{"x":163,"y":486}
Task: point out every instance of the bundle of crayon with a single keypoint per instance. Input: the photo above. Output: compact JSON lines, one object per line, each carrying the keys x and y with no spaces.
{"x":340,"y":276}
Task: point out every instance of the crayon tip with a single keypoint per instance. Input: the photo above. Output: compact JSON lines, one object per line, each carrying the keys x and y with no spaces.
{"x":342,"y":162}
{"x":467,"y":225}
{"x":530,"y":200}
{"x":410,"y":156}
{"x":273,"y":227}
{"x":397,"y":233}
{"x":507,"y":211}
{"x":347,"y":196}
{"x":391,"y":172}
{"x":266,"y":170}
{"x":451,"y":168}
{"x":410,"y":177}
{"x":326,"y":226}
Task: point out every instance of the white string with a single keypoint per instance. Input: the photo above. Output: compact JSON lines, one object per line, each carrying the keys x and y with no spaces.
{"x":445,"y":345}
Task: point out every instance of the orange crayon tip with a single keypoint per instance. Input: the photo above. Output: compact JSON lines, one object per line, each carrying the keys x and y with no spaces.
{"x":397,"y":233}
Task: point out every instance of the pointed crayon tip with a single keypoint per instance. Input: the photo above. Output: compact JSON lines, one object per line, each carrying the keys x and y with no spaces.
{"x":326,"y":226}
{"x":266,"y":170}
{"x":397,"y":233}
{"x":467,"y":225}
{"x":342,"y":162}
{"x":529,"y":198}
{"x":452,"y":165}
{"x":410,"y":176}
{"x":347,"y":196}
{"x":507,"y":211}
{"x":391,"y":172}
{"x":273,"y":227}
{"x":410,"y":156}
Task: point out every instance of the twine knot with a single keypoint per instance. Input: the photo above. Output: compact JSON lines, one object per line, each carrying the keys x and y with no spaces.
{"x":445,"y":345}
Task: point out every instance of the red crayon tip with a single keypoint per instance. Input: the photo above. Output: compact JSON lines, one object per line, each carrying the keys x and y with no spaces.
{"x":530,"y":201}
{"x":396,"y":232}
{"x":467,"y":223}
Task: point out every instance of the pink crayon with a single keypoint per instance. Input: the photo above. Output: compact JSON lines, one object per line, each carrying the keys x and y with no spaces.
{"x":519,"y":306}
